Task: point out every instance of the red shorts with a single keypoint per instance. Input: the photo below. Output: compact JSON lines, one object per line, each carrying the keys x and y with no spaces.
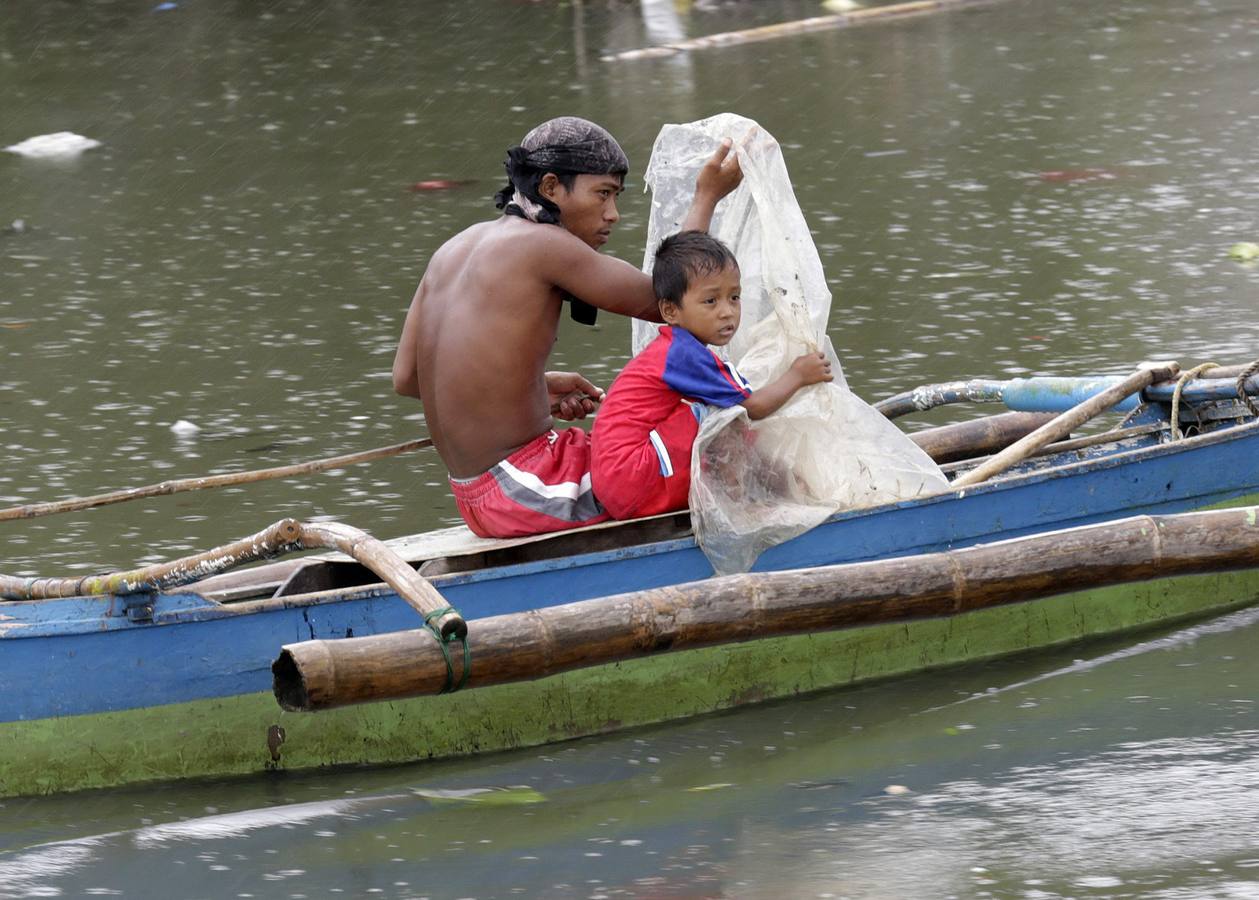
{"x":635,"y":475}
{"x":544,"y":486}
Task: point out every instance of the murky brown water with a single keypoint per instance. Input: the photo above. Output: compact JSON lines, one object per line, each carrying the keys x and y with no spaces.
{"x":1024,"y":187}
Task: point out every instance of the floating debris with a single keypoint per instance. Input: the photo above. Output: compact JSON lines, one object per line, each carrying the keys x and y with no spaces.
{"x":1244,"y":251}
{"x":185,"y":429}
{"x":487,"y":796}
{"x":59,"y":145}
{"x":437,"y":184}
{"x":1095,"y":173}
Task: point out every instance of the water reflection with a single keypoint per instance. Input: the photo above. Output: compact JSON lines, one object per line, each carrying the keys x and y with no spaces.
{"x":1128,"y":772}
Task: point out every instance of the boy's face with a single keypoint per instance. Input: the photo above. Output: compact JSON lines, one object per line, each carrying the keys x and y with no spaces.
{"x":709,"y":308}
{"x":588,"y":211}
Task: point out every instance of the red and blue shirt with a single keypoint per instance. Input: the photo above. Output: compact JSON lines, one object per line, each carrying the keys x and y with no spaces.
{"x":648,"y":422}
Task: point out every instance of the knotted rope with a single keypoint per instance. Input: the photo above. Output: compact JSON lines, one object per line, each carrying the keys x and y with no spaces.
{"x":1184,"y":379}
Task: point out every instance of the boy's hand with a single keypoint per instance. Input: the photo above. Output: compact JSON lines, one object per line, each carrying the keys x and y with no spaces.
{"x":572,"y":396}
{"x":812,"y":368}
{"x":721,"y":174}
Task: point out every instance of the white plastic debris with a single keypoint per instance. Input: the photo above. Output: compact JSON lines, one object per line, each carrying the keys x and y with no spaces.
{"x":185,"y":429}
{"x":59,"y":145}
{"x":757,"y":484}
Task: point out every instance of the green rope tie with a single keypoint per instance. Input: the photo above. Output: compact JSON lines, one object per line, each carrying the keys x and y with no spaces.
{"x":444,"y":643}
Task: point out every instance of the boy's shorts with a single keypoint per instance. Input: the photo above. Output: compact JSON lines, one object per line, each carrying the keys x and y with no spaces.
{"x":544,"y":486}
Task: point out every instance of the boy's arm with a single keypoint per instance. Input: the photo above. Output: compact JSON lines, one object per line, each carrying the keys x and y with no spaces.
{"x":808,"y":369}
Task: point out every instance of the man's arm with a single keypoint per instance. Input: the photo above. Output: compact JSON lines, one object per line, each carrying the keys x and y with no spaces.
{"x":603,"y":281}
{"x":406,"y":377}
{"x":615,"y":285}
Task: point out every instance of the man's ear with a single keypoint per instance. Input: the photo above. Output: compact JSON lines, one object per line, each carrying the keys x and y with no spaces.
{"x":549,"y":184}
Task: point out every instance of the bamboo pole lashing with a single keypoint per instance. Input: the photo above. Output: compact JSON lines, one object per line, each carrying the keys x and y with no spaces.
{"x":524,"y":646}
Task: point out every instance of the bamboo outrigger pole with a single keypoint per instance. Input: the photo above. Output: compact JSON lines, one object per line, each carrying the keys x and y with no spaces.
{"x":285,"y":536}
{"x":322,"y":674}
{"x":198,"y":483}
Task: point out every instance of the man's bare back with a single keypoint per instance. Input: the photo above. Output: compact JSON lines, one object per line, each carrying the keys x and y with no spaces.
{"x":485,"y":316}
{"x":481,"y":326}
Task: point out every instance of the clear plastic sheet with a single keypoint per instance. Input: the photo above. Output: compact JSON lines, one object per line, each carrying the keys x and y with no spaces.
{"x":757,"y":484}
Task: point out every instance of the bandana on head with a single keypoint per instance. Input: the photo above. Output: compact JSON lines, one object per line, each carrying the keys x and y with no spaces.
{"x":565,"y":146}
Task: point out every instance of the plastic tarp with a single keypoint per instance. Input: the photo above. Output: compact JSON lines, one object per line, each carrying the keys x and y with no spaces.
{"x":757,"y":484}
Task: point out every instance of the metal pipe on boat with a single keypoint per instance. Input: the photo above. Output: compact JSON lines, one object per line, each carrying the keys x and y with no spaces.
{"x":322,"y":674}
{"x":929,"y":396}
{"x":1044,"y":393}
{"x":1062,"y":425}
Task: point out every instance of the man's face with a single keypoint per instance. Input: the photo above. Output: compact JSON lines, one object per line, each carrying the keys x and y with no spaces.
{"x":588,"y":211}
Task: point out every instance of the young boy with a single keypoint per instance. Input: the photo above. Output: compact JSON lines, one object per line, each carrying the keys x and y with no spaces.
{"x":641,"y":445}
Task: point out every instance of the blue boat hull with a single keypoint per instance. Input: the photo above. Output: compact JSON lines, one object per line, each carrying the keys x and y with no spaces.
{"x":87,"y":656}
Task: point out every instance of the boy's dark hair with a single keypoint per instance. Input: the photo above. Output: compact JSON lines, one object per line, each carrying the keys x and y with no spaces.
{"x":683,"y":256}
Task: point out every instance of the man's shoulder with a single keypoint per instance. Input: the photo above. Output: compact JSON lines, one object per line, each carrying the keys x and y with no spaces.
{"x":512,"y":237}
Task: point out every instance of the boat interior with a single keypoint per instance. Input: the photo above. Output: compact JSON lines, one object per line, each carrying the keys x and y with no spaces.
{"x":958,"y":447}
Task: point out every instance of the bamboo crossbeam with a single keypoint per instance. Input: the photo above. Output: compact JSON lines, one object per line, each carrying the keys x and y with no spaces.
{"x":274,"y":540}
{"x":1063,"y":424}
{"x":285,"y":536}
{"x":198,"y":483}
{"x":322,"y":674}
{"x":411,"y":586}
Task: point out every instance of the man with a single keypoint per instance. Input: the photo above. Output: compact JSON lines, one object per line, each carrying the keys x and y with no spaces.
{"x":476,"y":338}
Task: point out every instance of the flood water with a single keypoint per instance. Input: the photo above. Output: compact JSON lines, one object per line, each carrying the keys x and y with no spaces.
{"x":1014,"y":188}
{"x":1108,"y":770}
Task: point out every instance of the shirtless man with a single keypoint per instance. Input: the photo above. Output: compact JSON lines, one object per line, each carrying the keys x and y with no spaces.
{"x":475,"y":341}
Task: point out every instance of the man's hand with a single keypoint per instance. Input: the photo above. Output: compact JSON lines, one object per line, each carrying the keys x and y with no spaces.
{"x":721,"y":174}
{"x":718,"y":177}
{"x":572,"y":396}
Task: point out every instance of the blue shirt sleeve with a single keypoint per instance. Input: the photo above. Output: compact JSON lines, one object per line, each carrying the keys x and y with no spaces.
{"x":695,"y":372}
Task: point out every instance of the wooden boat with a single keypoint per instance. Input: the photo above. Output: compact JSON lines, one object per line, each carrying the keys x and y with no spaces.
{"x":112,"y":689}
